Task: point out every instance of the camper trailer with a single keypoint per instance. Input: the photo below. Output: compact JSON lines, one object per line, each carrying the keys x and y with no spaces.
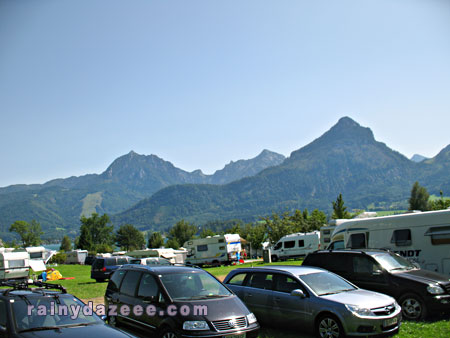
{"x":421,"y":237}
{"x":14,"y":264}
{"x":295,"y":245}
{"x":325,"y":235}
{"x":174,"y":256}
{"x":213,"y":250}
{"x":76,"y":256}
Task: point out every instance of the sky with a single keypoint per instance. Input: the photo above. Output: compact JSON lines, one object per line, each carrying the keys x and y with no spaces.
{"x":200,"y":83}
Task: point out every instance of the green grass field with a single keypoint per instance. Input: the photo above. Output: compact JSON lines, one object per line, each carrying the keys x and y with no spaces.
{"x":84,"y":287}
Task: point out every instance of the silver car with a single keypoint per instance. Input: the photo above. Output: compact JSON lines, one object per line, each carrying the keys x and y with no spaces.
{"x":314,"y":299}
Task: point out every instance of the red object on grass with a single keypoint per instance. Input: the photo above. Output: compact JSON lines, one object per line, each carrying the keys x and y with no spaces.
{"x":67,"y":278}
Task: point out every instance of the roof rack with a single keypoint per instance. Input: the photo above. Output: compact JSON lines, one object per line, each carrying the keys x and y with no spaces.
{"x":25,"y":285}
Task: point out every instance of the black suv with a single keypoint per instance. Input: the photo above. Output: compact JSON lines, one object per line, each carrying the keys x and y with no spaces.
{"x":103,"y":267}
{"x":47,"y":310}
{"x":419,"y":292}
{"x":176,"y":301}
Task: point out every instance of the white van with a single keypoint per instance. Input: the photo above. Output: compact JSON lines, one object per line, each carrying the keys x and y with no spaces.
{"x":213,"y":250}
{"x":295,"y":245}
{"x":14,"y":265}
{"x":421,"y":237}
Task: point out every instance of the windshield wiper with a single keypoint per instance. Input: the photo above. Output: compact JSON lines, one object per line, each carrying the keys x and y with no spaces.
{"x":41,"y":328}
{"x":328,"y":293}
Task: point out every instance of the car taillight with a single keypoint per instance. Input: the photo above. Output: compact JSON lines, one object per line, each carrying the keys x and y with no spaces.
{"x":104,"y":269}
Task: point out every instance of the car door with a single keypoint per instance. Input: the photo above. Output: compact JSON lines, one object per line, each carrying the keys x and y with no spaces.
{"x":368,"y":274}
{"x":3,"y":319}
{"x":257,"y":295}
{"x":150,"y":302}
{"x":287,"y":309}
{"x":127,"y":297}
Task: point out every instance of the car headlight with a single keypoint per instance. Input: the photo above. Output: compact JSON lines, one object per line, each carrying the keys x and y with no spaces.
{"x":251,"y":318}
{"x":359,"y":311}
{"x":435,"y":289}
{"x":195,"y":325}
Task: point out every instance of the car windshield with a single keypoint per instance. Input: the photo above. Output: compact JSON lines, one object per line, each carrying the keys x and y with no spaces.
{"x":33,"y":313}
{"x":193,"y":285}
{"x":393,"y":262}
{"x":326,"y":283}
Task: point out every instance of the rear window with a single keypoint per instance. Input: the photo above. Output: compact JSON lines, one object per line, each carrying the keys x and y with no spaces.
{"x":98,"y":263}
{"x":110,"y":261}
{"x":130,"y":283}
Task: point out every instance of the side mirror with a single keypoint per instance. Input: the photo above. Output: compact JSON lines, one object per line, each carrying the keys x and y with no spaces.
{"x":298,"y":293}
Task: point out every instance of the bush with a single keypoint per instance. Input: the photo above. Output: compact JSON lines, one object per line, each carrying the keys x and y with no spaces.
{"x":59,"y":258}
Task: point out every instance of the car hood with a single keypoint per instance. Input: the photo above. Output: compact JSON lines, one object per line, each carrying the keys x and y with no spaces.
{"x":362,"y":298}
{"x":96,"y":330}
{"x":218,"y":308}
{"x":423,"y":276}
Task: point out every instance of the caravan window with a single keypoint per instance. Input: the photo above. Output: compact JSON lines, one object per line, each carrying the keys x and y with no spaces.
{"x":289,"y":244}
{"x":301,"y":243}
{"x":357,"y":241}
{"x":34,"y":255}
{"x":221,"y":240}
{"x":17,"y":263}
{"x":439,"y":235}
{"x":401,"y":237}
{"x":203,"y":247}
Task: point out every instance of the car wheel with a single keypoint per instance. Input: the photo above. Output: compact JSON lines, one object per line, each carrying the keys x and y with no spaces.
{"x":413,"y":308}
{"x":168,"y":333}
{"x":328,"y":326}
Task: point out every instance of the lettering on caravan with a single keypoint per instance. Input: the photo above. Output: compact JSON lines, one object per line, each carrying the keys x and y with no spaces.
{"x":408,"y":253}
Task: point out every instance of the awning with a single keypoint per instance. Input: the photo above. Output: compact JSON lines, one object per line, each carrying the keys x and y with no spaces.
{"x":37,"y":265}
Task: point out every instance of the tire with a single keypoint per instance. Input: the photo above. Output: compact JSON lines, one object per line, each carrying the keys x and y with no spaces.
{"x":274,"y":258}
{"x":413,"y":307}
{"x":168,"y":333}
{"x":328,"y":326}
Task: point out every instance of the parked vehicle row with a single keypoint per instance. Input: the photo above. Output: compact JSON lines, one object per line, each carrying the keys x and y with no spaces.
{"x":418,"y":291}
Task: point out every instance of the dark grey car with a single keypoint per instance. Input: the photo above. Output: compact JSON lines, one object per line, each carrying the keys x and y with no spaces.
{"x":314,"y":299}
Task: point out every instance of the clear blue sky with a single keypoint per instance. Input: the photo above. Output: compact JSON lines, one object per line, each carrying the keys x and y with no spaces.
{"x":200,"y":83}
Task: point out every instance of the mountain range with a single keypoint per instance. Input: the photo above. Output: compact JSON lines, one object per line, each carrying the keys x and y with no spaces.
{"x":152,"y":193}
{"x":58,"y":204}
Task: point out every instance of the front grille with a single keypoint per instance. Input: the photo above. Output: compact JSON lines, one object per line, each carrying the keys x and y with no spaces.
{"x":230,"y":324}
{"x":384,"y":311}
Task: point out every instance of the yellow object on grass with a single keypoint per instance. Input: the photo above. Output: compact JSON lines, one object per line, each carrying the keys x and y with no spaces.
{"x":53,"y":275}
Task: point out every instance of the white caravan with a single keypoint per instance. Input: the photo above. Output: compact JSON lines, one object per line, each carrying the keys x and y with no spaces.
{"x":14,"y":264}
{"x":76,"y":256}
{"x":213,"y":250}
{"x":325,"y":235}
{"x":295,"y":245}
{"x":422,"y":237}
{"x":174,"y":256}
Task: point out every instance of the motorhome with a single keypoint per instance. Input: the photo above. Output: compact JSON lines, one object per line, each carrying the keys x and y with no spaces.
{"x":421,"y":237}
{"x":76,"y":256}
{"x":14,"y":264}
{"x":213,"y":250}
{"x":174,"y":256}
{"x":295,"y":245}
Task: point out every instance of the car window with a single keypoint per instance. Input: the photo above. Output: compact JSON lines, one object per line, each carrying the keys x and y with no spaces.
{"x":289,"y":244}
{"x":286,"y":284}
{"x":130,"y":282}
{"x":193,"y":285}
{"x":393,"y":262}
{"x":237,"y":279}
{"x":320,"y":260}
{"x":301,"y":243}
{"x":148,"y":287}
{"x":364,"y":264}
{"x":2,"y":313}
{"x":110,"y":261}
{"x":261,"y":281}
{"x":401,"y":237}
{"x":122,"y":261}
{"x":278,"y":246}
{"x":116,"y":279}
{"x":325,"y":283}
